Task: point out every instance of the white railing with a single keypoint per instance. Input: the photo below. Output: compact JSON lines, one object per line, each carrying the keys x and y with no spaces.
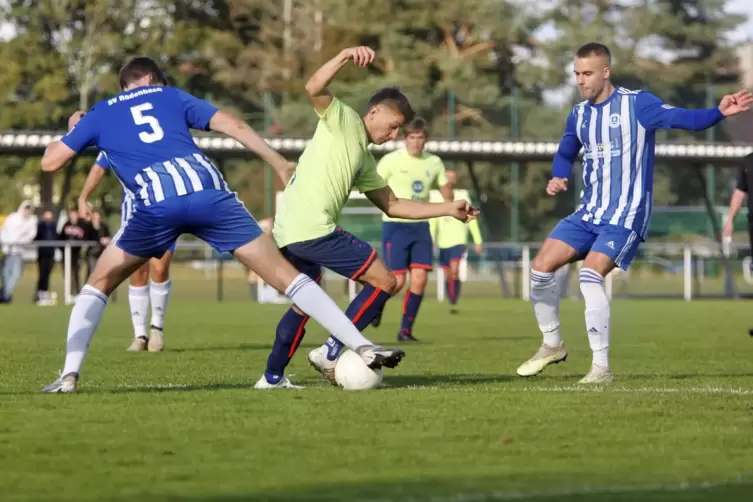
{"x":692,"y":257}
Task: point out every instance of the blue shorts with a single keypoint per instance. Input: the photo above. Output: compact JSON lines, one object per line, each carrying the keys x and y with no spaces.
{"x":214,"y":216}
{"x":618,"y":243}
{"x":407,"y":245}
{"x":448,"y":255}
{"x":340,"y":251}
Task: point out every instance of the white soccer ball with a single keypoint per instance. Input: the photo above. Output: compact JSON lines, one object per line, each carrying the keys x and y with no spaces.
{"x":351,"y":373}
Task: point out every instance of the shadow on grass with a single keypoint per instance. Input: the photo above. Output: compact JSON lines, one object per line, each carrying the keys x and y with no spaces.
{"x":445,"y":490}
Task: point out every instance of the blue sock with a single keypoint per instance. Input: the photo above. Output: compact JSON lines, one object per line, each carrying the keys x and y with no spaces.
{"x":290,"y":332}
{"x":452,"y":286}
{"x":362,"y":310}
{"x":410,"y":310}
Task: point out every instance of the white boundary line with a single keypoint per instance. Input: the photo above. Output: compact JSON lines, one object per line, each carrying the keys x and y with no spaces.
{"x":607,"y":389}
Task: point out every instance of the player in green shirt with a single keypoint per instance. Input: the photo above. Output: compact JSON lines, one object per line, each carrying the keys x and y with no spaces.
{"x":411,"y":173}
{"x":451,"y":237}
{"x":335,"y":161}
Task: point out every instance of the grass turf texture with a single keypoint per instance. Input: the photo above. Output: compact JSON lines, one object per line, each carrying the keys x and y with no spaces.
{"x":456,"y":423}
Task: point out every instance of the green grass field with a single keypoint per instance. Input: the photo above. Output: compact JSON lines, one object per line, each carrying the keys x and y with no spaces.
{"x":455,"y":424}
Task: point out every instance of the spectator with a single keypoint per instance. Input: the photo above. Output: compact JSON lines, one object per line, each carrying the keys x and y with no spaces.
{"x":75,"y":230}
{"x":46,"y":232}
{"x":18,"y":230}
{"x":98,"y":232}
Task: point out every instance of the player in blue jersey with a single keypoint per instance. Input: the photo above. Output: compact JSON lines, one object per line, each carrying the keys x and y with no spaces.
{"x":144,"y":132}
{"x":616,"y":129}
{"x":143,"y":290}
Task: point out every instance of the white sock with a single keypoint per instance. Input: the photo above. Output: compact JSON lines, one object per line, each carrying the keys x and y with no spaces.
{"x":597,"y":315}
{"x":159,"y":293}
{"x":85,"y":317}
{"x":311,"y":299}
{"x":138,"y":300}
{"x":545,"y":296}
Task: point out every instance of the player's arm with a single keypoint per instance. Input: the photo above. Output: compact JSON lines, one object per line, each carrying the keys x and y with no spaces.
{"x":62,"y":151}
{"x":738,"y":197}
{"x":93,"y":179}
{"x":653,"y":113}
{"x":230,"y":125}
{"x":567,"y":154}
{"x":207,"y":117}
{"x":475,"y":230}
{"x":443,"y":183}
{"x":386,"y":200}
{"x":316,"y":86}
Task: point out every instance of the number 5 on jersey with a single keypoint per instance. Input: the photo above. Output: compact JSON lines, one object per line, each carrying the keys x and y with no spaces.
{"x":141,"y":119}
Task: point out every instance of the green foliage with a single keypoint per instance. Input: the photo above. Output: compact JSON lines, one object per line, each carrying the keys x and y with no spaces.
{"x":458,"y":62}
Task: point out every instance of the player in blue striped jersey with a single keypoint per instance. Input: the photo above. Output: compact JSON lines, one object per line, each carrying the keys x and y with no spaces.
{"x":144,"y":132}
{"x":615,"y":127}
{"x":148,"y":285}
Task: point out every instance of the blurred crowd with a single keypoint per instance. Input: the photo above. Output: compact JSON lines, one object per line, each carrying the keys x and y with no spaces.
{"x":25,"y":236}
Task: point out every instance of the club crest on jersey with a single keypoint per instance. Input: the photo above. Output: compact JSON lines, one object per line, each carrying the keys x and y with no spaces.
{"x":418,"y":186}
{"x":614,"y":120}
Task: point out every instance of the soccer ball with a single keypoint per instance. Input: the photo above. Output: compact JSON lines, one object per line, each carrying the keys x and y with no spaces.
{"x":351,"y":373}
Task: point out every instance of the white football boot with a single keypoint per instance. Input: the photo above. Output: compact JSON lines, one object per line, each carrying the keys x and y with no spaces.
{"x":156,"y":341}
{"x":545,"y":356}
{"x":284,"y":383}
{"x":318,"y":360}
{"x":138,"y":345}
{"x":65,"y":384}
{"x":597,"y":375}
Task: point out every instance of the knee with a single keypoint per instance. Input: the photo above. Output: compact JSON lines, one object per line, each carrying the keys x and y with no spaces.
{"x":418,"y":279}
{"x":390,"y":284}
{"x":160,"y":272}
{"x":544,"y":264}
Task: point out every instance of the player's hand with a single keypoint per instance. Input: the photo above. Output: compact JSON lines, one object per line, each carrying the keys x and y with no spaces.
{"x":463,"y":211}
{"x":104,"y":241}
{"x":83,"y":209}
{"x":361,"y":56}
{"x":479,"y":248}
{"x":729,"y":228}
{"x":556,"y":185}
{"x":75,"y":118}
{"x":732,"y":104}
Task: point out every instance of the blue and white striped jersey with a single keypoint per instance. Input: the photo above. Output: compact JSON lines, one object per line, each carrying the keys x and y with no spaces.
{"x":618,"y":140}
{"x":144,"y":137}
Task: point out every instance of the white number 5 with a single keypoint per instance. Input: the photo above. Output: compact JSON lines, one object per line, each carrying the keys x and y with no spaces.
{"x":140,"y":119}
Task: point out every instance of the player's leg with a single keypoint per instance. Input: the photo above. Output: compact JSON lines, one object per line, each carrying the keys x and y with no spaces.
{"x":289,"y":333}
{"x":138,"y":304}
{"x":237,"y":232}
{"x":353,"y":258}
{"x":113,"y":267}
{"x":388,"y":229}
{"x":419,"y":244}
{"x":159,"y":297}
{"x":568,"y":241}
{"x":452,"y":281}
{"x":614,"y":247}
{"x":146,"y":235}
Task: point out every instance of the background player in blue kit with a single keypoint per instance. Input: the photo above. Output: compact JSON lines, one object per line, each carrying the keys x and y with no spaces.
{"x":143,"y":289}
{"x":616,"y":129}
{"x":144,"y":132}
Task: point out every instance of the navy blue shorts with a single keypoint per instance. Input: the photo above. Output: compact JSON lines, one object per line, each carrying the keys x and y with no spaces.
{"x":340,"y":251}
{"x":214,"y":216}
{"x":618,"y":243}
{"x":448,"y":255}
{"x":407,"y":245}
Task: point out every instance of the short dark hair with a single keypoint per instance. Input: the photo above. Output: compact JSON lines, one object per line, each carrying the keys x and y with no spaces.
{"x":595,"y":48}
{"x":418,"y":124}
{"x":140,"y":67}
{"x":394,"y":98}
